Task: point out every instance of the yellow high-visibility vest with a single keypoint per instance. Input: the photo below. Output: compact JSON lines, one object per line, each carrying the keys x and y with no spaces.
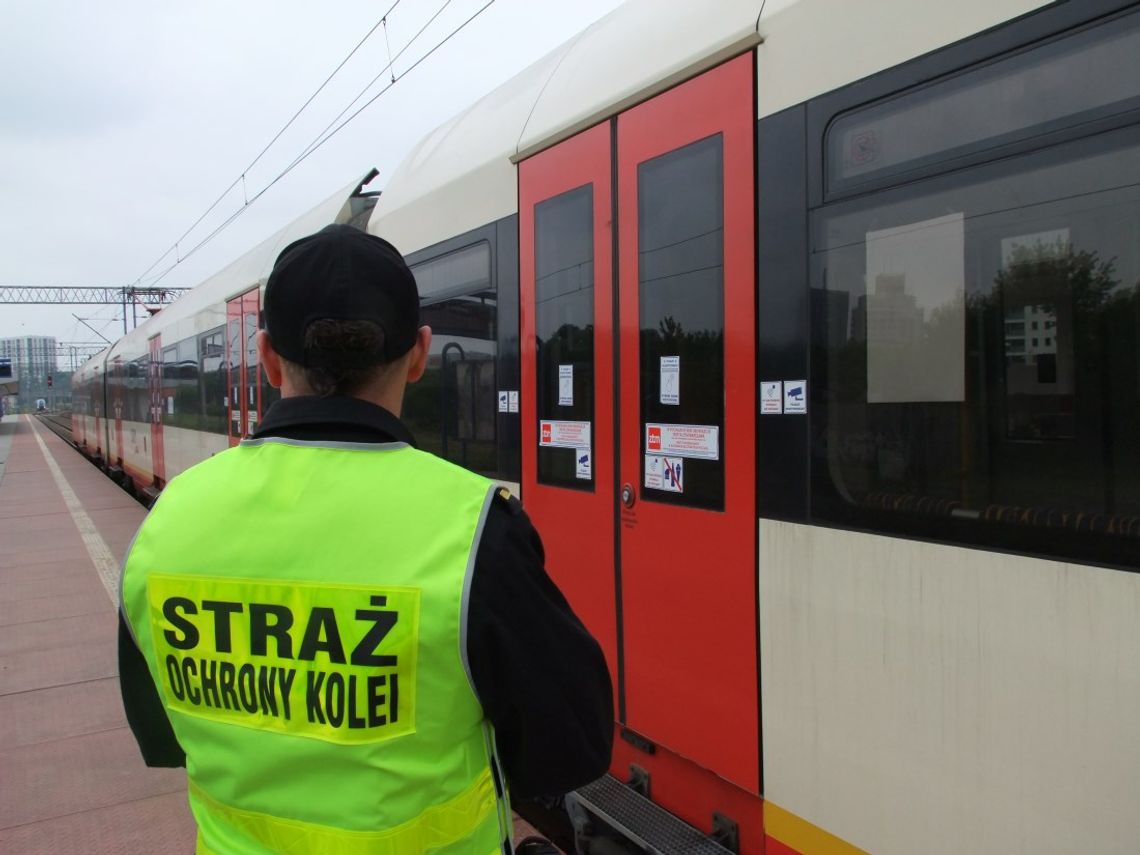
{"x":302,"y":608}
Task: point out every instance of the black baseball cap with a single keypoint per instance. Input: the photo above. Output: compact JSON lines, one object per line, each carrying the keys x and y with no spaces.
{"x":343,"y":274}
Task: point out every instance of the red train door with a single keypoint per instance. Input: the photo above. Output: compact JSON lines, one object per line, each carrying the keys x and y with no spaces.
{"x":243,"y":397}
{"x":674,"y":463}
{"x":157,"y":404}
{"x":566,"y":258}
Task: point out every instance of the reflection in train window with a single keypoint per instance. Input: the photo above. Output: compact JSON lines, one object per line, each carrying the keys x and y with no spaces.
{"x":452,"y":411}
{"x":975,"y":351}
{"x":681,"y":300}
{"x":564,"y":326}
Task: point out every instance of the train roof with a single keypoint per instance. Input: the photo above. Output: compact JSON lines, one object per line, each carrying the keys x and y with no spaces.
{"x":462,"y":175}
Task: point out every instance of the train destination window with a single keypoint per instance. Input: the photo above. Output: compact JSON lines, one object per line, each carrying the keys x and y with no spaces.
{"x":681,"y":297}
{"x":1092,"y":74}
{"x":564,"y":324}
{"x":452,"y":410}
{"x":976,"y":353}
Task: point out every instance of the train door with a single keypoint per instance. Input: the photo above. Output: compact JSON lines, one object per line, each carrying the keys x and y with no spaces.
{"x":154,"y":379}
{"x":243,"y":397}
{"x":567,"y":409}
{"x":668,"y":504}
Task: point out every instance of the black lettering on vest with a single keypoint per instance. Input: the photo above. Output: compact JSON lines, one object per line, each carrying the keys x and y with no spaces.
{"x":355,"y":719}
{"x":209,"y":672}
{"x":260,"y":629}
{"x":322,"y":619}
{"x":175,"y":676}
{"x":382,"y":622}
{"x":222,"y":613}
{"x":285,"y":678}
{"x":226,"y":674}
{"x":393,"y":697}
{"x":376,"y":683}
{"x":313,"y":696}
{"x":247,"y":687}
{"x":190,"y":673}
{"x":334,"y":698}
{"x":266,"y":690}
{"x":188,"y":640}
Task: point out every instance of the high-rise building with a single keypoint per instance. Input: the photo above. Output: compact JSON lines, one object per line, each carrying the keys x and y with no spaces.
{"x":33,"y":357}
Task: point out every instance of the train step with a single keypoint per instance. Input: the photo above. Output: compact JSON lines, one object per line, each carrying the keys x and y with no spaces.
{"x":652,"y":829}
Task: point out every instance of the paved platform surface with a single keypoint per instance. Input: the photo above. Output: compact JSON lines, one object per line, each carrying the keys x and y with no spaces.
{"x":71,"y":778}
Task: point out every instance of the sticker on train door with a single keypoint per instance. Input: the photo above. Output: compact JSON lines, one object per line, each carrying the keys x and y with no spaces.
{"x":665,"y":473}
{"x":565,"y":385}
{"x":554,"y":434}
{"x":699,"y":441}
{"x":583,"y":469}
{"x":670,"y":380}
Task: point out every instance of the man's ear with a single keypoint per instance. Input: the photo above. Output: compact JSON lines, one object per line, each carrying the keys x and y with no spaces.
{"x":269,"y":359}
{"x":418,"y":360}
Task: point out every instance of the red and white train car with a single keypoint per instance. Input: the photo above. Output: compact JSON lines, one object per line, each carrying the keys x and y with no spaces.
{"x":809,"y":332}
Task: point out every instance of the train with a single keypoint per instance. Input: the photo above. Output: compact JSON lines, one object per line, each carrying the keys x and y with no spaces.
{"x":808,"y":332}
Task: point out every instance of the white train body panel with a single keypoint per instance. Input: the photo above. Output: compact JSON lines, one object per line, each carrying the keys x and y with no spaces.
{"x":936,"y":699}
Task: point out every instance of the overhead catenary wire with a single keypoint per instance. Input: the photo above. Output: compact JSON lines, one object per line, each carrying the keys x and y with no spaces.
{"x":241,"y":179}
{"x":324,"y":137}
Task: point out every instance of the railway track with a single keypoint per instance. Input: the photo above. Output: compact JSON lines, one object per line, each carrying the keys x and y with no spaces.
{"x":59,"y":424}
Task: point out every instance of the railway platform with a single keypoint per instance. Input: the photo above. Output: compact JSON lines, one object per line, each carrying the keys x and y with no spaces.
{"x":71,"y":777}
{"x":73,"y":780}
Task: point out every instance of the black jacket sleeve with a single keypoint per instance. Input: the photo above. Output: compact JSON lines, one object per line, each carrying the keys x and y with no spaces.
{"x":539,"y":674}
{"x":143,"y":706}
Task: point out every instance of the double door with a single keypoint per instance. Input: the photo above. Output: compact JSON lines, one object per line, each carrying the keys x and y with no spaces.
{"x":638,"y":422}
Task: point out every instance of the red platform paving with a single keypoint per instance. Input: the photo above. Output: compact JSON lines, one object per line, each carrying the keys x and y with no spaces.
{"x":71,"y":778}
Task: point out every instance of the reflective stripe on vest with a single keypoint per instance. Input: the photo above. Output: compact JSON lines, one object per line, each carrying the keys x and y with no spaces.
{"x":302,"y":611}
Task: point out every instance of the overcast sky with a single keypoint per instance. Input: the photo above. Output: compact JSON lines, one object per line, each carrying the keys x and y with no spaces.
{"x":121,"y":121}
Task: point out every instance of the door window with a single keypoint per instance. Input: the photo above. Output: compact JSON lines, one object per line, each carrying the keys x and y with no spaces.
{"x":564,"y":321}
{"x":681,"y":299}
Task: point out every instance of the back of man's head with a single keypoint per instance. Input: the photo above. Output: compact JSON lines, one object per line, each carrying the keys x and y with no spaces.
{"x":340,"y":306}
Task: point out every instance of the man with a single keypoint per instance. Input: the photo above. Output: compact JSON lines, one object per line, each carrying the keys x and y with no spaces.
{"x":347,"y":641}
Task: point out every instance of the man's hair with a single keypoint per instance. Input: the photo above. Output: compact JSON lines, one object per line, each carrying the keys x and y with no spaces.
{"x":335,"y":347}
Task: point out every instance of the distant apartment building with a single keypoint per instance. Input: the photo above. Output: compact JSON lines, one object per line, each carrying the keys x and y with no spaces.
{"x":33,"y":357}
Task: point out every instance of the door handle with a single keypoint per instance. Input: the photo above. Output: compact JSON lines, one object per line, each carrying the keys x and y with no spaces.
{"x":628,"y":495}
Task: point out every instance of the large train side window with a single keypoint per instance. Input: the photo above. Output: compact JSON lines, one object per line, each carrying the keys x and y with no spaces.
{"x":564,"y":325}
{"x":1086,"y":76}
{"x":976,"y":351}
{"x":452,"y":410}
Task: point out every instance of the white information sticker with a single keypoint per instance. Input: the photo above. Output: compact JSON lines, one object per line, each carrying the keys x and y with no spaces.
{"x":513,"y":402}
{"x":170,"y":406}
{"x":504,"y":397}
{"x":699,"y":441}
{"x":583,"y":470}
{"x":565,"y":385}
{"x":671,"y":380}
{"x":665,"y":473}
{"x":552,"y":434}
{"x":795,"y":396}
{"x":771,"y":397}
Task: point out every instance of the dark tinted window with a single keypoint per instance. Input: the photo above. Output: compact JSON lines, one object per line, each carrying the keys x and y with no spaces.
{"x":453,"y":410}
{"x":976,"y":358}
{"x":564,"y":320}
{"x":681,"y":296}
{"x":213,"y":379}
{"x":1090,"y":74}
